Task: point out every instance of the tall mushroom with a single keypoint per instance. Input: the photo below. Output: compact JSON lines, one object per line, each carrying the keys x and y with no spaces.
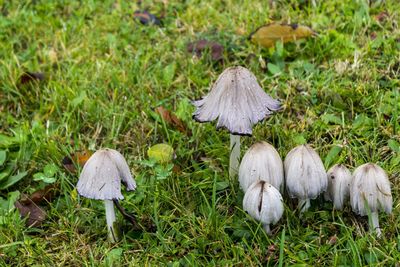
{"x":238,"y":102}
{"x":305,"y":175}
{"x":101,"y":179}
{"x":261,"y":162}
{"x":264,"y":203}
{"x":370,"y":193}
{"x":339,"y":179}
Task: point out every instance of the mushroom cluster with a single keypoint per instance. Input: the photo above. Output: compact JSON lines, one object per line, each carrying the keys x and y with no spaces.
{"x":261,"y":177}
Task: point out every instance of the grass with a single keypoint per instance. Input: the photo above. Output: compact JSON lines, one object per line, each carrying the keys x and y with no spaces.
{"x":105,"y":75}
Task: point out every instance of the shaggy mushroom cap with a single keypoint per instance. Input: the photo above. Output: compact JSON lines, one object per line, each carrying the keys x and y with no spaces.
{"x":305,"y":173}
{"x":237,"y":101}
{"x":339,"y":179}
{"x":102,"y":174}
{"x":370,"y":190}
{"x":263,"y":202}
{"x":261,"y":162}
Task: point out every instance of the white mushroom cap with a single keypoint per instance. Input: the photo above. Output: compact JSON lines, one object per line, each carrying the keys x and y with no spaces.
{"x":261,"y":162}
{"x":102,"y":174}
{"x":305,"y":173}
{"x":237,"y":100}
{"x":339,"y":179}
{"x":263,"y":202}
{"x":370,"y":187}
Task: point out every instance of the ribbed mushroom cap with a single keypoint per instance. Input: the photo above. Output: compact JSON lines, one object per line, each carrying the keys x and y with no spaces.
{"x":237,"y":100}
{"x":263,"y":202}
{"x":339,"y":179}
{"x":370,"y":187}
{"x":261,"y":162}
{"x":305,"y":173}
{"x":102,"y":174}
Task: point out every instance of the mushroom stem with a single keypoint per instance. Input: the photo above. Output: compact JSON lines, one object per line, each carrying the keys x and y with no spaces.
{"x":304,"y":205}
{"x":110,"y":217}
{"x":374,"y":224}
{"x":267,"y":229}
{"x":235,"y":154}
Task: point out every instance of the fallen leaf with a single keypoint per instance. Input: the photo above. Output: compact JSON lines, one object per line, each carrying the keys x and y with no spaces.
{"x":332,"y":240}
{"x":78,"y":158}
{"x":162,"y":153}
{"x":381,"y":17}
{"x":171,"y":119}
{"x":201,"y":46}
{"x":36,"y":215}
{"x":269,"y":34}
{"x":146,"y":18}
{"x":28,"y":77}
{"x":46,"y":194}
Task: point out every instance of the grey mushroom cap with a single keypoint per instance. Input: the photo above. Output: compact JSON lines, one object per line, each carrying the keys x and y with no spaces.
{"x":370,"y":190}
{"x":263,"y":202}
{"x":261,"y":162}
{"x":305,"y":173}
{"x":102,"y":174}
{"x":339,"y":180}
{"x":237,"y":101}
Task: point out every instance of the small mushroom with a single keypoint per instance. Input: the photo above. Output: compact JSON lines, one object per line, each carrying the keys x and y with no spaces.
{"x":339,"y":179}
{"x":261,"y":162}
{"x":305,"y":175}
{"x":371,"y":193}
{"x":264,"y":203}
{"x":238,"y":102}
{"x":101,"y":179}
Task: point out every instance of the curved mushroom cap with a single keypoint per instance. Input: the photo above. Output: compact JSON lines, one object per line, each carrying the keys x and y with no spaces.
{"x":263,"y":202}
{"x":339,"y":179}
{"x":237,"y":100}
{"x":102,"y":174}
{"x":261,"y":162}
{"x":370,"y":187}
{"x":305,"y":174}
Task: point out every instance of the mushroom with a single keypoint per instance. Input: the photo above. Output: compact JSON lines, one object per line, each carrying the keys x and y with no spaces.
{"x":370,"y":193}
{"x":264,"y":203}
{"x":305,"y":175}
{"x":101,"y":179}
{"x":238,"y":102}
{"x":261,"y":162}
{"x":339,"y":179}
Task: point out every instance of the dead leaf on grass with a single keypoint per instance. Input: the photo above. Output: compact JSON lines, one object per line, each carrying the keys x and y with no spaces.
{"x":46,"y":194}
{"x":36,"y":215}
{"x":269,"y":34}
{"x":78,"y":158}
{"x":171,"y":119}
{"x":199,"y":47}
{"x":146,"y":18}
{"x":381,"y":17}
{"x":28,"y":77}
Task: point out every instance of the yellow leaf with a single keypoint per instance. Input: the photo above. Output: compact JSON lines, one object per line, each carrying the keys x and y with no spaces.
{"x":268,"y":35}
{"x":162,"y":153}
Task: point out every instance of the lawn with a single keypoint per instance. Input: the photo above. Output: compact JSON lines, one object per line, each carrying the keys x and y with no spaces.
{"x":105,"y":73}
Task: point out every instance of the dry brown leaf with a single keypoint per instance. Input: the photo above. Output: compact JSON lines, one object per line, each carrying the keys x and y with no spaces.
{"x":171,"y":119}
{"x":27,"y":77}
{"x":269,"y":34}
{"x":199,"y":47}
{"x":381,"y":17}
{"x":146,"y":18}
{"x":78,"y":158}
{"x":46,"y":194}
{"x":36,"y":215}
